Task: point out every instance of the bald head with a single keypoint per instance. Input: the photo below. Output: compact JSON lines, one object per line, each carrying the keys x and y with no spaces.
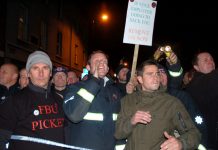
{"x":8,"y":74}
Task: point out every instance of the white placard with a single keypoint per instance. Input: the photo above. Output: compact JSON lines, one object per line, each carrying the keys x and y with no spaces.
{"x":140,"y":22}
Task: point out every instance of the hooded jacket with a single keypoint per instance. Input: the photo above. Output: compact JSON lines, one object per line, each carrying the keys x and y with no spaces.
{"x":168,"y":114}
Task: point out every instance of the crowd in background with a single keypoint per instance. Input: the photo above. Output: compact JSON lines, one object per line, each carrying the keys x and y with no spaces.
{"x":160,"y":107}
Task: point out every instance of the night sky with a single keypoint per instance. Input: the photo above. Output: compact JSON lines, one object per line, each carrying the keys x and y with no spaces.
{"x":188,"y":26}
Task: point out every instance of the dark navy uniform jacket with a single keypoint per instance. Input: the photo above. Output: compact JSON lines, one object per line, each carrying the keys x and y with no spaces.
{"x":92,"y":107}
{"x":5,"y":92}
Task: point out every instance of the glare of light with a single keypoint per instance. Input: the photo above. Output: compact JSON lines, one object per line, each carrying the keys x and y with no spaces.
{"x":198,"y":120}
{"x":104,"y":17}
{"x":125,"y":64}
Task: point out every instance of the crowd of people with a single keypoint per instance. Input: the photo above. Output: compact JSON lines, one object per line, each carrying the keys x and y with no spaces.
{"x":160,"y":107}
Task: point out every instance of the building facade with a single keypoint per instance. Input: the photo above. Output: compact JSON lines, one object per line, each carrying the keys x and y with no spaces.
{"x":48,"y":25}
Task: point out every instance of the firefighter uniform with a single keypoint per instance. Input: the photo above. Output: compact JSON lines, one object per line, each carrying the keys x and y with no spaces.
{"x":92,"y":107}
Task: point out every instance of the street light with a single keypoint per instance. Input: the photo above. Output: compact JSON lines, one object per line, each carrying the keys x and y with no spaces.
{"x":100,"y":24}
{"x":104,"y":17}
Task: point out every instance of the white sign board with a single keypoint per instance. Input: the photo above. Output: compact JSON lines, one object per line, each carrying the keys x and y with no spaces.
{"x":140,"y":22}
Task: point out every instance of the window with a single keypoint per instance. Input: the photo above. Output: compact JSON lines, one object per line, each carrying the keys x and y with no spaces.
{"x":22,"y":23}
{"x":43,"y":35}
{"x":76,"y":54}
{"x":59,"y":44}
{"x":34,"y":40}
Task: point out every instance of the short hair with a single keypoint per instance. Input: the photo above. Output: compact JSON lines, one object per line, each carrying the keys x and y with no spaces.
{"x":195,"y":58}
{"x":22,"y":69}
{"x":148,"y":62}
{"x":73,"y":71}
{"x":96,"y":52}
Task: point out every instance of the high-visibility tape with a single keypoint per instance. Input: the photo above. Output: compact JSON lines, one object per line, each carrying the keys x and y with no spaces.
{"x":176,"y":74}
{"x":115,"y":117}
{"x":201,"y":147}
{"x":7,"y":145}
{"x":98,"y":116}
{"x":86,"y":95}
{"x":94,"y":116}
{"x":44,"y":141}
{"x":120,"y":147}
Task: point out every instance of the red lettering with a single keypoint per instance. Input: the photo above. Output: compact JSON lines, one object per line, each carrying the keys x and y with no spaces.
{"x":52,"y":123}
{"x":47,"y":123}
{"x":60,"y":122}
{"x":34,"y":125}
{"x":41,"y":109}
{"x":47,"y":109}
{"x":44,"y":124}
{"x":54,"y":108}
{"x":40,"y":124}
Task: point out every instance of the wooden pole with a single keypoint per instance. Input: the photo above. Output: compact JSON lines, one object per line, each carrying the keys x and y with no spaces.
{"x":135,"y":58}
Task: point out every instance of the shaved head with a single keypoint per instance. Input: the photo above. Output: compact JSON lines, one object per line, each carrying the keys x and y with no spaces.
{"x":8,"y":74}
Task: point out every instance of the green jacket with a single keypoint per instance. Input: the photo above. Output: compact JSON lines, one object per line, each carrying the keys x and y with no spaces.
{"x":168,"y":114}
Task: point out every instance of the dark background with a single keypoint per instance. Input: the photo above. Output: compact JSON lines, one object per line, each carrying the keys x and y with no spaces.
{"x":188,"y":26}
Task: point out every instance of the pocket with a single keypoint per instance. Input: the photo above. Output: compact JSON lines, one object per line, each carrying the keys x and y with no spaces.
{"x":158,"y":125}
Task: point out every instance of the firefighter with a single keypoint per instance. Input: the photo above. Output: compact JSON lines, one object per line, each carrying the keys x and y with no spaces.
{"x":35,"y":112}
{"x":92,"y":106}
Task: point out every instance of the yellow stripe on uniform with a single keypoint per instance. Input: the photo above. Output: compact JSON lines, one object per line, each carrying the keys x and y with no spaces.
{"x":115,"y":117}
{"x":120,"y":147}
{"x":176,"y":74}
{"x":94,"y":116}
{"x":201,"y":147}
{"x":85,"y":95}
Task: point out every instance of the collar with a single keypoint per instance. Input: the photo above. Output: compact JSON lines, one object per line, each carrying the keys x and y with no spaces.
{"x":106,"y":79}
{"x":39,"y":89}
{"x":152,"y":94}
